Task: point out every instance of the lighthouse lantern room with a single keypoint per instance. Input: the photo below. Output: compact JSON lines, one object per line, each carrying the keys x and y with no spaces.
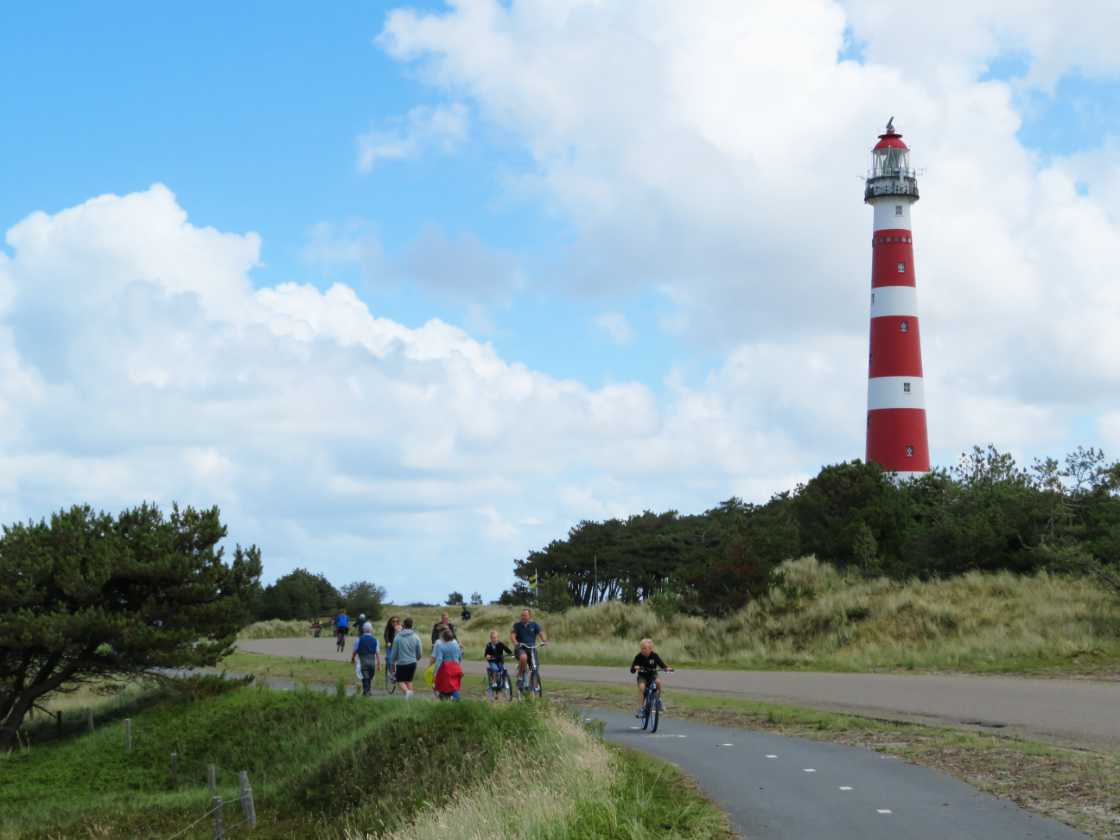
{"x":896,"y":412}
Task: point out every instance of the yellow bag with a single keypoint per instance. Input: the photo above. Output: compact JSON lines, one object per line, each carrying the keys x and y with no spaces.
{"x":430,"y":676}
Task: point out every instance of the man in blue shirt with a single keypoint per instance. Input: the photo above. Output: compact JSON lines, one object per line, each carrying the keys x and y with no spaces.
{"x":524,"y":637}
{"x":365,"y":653}
{"x":341,"y":628}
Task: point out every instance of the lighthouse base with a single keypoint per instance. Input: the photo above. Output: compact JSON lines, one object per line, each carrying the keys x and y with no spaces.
{"x":897,"y":440}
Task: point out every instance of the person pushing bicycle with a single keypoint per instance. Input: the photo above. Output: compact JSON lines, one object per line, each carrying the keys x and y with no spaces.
{"x":646,"y":665}
{"x":524,"y":636}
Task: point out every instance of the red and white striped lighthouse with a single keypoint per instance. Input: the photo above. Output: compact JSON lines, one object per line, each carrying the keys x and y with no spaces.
{"x":896,"y":408}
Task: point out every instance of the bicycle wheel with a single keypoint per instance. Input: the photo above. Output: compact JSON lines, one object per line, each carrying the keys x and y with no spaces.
{"x":645,"y":712}
{"x":535,"y":684}
{"x":506,"y":687}
{"x":390,"y":683}
{"x":655,"y":716}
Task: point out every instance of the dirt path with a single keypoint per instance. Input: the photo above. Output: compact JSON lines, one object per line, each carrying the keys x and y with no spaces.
{"x":1084,"y":712}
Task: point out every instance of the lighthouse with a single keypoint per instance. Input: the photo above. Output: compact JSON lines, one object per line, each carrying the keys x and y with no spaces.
{"x":896,"y":409}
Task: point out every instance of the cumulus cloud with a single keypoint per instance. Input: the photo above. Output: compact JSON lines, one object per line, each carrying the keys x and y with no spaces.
{"x":713,"y":156}
{"x":337,"y":439}
{"x":442,"y":128}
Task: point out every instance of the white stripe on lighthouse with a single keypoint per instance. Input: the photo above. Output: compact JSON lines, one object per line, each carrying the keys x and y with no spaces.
{"x":887,"y":217}
{"x":894,"y":300}
{"x":892,"y":392}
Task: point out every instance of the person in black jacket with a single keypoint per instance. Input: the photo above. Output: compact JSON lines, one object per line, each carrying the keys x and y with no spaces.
{"x":438,"y":627}
{"x":496,"y":651}
{"x":646,"y":665}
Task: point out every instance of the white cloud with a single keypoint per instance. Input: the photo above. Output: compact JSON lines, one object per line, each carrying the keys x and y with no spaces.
{"x":336,"y":439}
{"x":616,"y":327}
{"x":712,"y":155}
{"x":443,"y":128}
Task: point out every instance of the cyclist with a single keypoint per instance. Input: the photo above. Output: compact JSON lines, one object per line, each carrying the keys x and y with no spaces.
{"x":403,"y":656}
{"x":365,"y":650}
{"x":341,"y":628}
{"x":524,"y":637}
{"x":645,"y":665}
{"x":496,"y":651}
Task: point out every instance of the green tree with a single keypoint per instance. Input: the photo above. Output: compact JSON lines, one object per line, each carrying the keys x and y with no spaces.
{"x":299,"y":594}
{"x":87,"y":596}
{"x":554,"y":596}
{"x":362,"y":596}
{"x":476,"y":599}
{"x":455,"y":599}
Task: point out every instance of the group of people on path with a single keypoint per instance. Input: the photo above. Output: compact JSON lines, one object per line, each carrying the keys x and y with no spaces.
{"x":404,"y":650}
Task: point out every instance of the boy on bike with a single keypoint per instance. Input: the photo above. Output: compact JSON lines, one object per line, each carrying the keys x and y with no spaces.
{"x":496,"y":651}
{"x":646,"y":665}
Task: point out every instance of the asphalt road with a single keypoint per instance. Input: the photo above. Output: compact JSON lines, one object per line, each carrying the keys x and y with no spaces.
{"x":1082,"y":712}
{"x":779,"y":788}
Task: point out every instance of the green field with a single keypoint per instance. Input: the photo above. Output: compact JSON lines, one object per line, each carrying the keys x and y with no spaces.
{"x":323,"y":766}
{"x":814,"y":618}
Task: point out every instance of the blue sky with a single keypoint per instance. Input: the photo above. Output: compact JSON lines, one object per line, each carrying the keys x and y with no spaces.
{"x":657,"y":207}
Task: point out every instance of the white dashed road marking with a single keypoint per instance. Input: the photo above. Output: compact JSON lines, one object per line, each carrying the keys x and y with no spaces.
{"x":771,"y":756}
{"x":882,"y":810}
{"x":845,"y":787}
{"x":810,"y":770}
{"x":727,"y":745}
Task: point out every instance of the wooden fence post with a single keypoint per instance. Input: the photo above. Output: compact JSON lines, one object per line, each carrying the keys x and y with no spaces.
{"x":128,"y":734}
{"x":247,"y":806}
{"x":174,"y":770}
{"x":219,"y":824}
{"x":212,"y":779}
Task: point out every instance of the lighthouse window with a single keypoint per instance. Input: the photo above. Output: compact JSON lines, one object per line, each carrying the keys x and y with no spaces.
{"x":902,"y":268}
{"x":898,"y":209}
{"x":904,"y":326}
{"x":909,"y":451}
{"x":906,"y":387}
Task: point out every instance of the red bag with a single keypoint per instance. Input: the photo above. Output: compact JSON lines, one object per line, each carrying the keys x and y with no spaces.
{"x":449,"y":677}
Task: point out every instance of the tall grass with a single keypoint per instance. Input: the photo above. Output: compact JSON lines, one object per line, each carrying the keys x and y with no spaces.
{"x":814,"y":617}
{"x":325,"y":767}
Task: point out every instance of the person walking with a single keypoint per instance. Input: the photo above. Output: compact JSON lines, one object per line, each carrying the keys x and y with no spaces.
{"x":366,"y":653}
{"x":447,"y":657}
{"x":444,"y":623}
{"x":403,"y":656}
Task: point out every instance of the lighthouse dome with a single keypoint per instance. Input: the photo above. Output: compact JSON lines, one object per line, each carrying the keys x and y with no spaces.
{"x":889,"y":173}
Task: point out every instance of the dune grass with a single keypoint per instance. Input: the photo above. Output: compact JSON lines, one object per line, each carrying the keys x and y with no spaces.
{"x":814,"y":618}
{"x":331,"y":767}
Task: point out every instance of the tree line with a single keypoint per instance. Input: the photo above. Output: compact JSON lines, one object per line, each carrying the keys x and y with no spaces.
{"x":985,"y":513}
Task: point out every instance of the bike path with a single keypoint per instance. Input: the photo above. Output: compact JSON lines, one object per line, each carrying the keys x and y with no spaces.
{"x":775,"y":787}
{"x":1081,"y":712}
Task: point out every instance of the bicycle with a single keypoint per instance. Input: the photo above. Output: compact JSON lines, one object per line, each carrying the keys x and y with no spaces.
{"x":651,"y":705}
{"x":498,"y":682}
{"x":531,"y":680}
{"x":340,"y":639}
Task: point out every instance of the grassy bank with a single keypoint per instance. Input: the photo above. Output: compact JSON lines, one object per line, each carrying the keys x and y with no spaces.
{"x":1077,"y":787}
{"x":814,"y":618}
{"x":329,"y":767}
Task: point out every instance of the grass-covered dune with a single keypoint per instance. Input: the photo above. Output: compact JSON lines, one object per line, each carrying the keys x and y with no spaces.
{"x":813,"y":617}
{"x":335,"y":767}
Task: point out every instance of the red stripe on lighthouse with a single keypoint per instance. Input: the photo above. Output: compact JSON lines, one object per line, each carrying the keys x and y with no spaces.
{"x":892,"y":263}
{"x":895,"y":347}
{"x":896,"y":439}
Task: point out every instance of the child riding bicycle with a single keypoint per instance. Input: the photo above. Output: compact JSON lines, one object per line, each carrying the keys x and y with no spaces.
{"x":646,"y":665}
{"x":496,"y":651}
